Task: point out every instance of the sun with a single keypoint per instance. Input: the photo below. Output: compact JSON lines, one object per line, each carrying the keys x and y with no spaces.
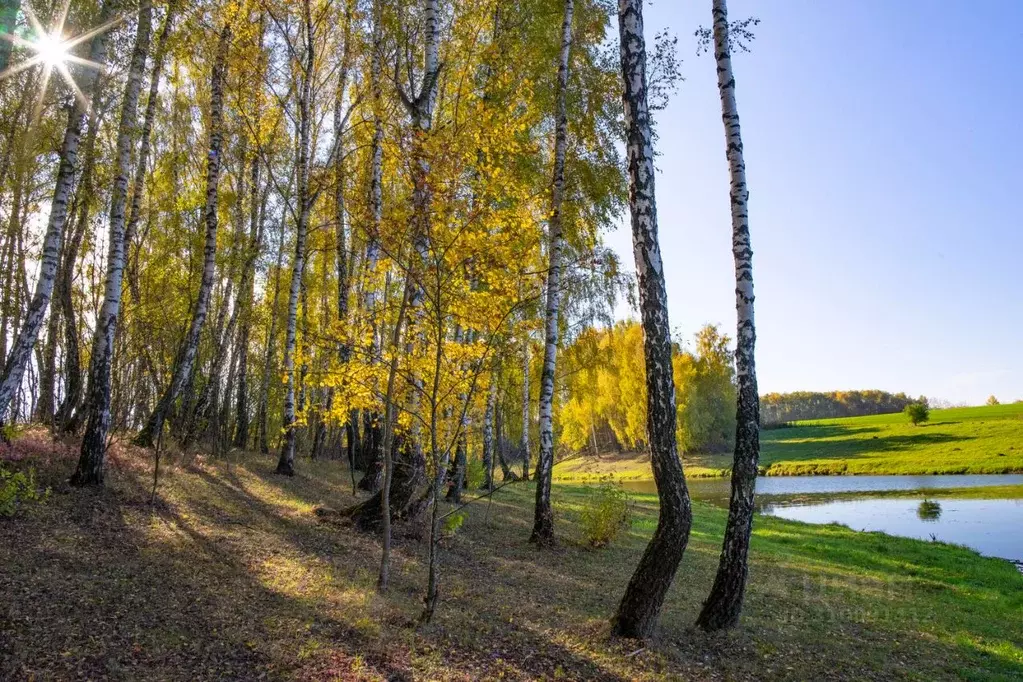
{"x":51,"y":49}
{"x":54,"y":51}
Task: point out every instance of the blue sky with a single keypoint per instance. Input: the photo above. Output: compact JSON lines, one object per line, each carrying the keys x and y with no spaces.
{"x":884,"y":143}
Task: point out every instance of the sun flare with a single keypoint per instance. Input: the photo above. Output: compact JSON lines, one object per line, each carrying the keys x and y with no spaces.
{"x":52,"y":49}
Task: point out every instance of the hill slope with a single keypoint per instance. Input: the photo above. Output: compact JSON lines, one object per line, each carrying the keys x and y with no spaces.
{"x":231,"y":576}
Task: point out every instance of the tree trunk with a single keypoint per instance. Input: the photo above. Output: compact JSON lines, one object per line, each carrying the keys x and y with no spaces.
{"x":341,"y":253}
{"x":286,"y":462}
{"x":21,"y":351}
{"x":186,"y":357}
{"x":94,"y":442}
{"x":457,"y":482}
{"x":543,"y":521}
{"x":246,"y":294}
{"x":48,"y":369}
{"x":641,"y":605}
{"x":68,"y":415}
{"x":488,"y":431}
{"x":271,"y":350}
{"x":372,"y":440}
{"x":724,"y":605}
{"x":525,"y":408}
{"x":506,"y":471}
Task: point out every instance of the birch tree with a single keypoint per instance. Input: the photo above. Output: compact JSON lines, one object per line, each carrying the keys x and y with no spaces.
{"x":90,"y":463}
{"x":543,"y":519}
{"x":641,"y":605}
{"x":286,"y":462}
{"x":724,"y":605}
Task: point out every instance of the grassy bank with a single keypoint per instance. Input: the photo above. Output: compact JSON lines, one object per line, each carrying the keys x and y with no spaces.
{"x":233,"y":576}
{"x":971,"y":440}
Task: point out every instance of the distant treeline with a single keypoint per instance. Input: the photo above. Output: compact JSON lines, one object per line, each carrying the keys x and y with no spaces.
{"x":781,"y":408}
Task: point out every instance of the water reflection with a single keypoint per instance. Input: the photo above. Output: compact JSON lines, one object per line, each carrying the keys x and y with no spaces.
{"x":929,"y":510}
{"x":990,"y":526}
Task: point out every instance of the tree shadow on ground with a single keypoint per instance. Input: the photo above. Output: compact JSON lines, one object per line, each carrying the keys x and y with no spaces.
{"x":218,"y":583}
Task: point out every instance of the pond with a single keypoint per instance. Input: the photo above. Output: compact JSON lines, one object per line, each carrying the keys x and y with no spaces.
{"x":910,"y":506}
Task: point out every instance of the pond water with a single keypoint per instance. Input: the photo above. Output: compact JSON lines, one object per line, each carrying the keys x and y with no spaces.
{"x":990,"y":526}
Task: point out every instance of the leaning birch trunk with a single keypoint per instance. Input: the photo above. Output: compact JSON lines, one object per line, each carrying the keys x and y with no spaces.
{"x":640,"y":606}
{"x":286,"y":461}
{"x":724,"y":605}
{"x":543,"y":521}
{"x":186,"y":356}
{"x":97,"y":406}
{"x":25,"y":340}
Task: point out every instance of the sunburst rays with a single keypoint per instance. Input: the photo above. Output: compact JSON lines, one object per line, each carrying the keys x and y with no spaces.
{"x":53,"y":50}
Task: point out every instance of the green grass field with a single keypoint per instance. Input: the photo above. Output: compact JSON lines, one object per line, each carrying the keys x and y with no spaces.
{"x":969,"y":440}
{"x":232,"y":575}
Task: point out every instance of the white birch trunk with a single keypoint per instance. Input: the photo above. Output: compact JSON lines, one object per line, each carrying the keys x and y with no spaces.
{"x":543,"y":522}
{"x":286,"y":462}
{"x":641,"y":605}
{"x":90,"y":463}
{"x":724,"y":605}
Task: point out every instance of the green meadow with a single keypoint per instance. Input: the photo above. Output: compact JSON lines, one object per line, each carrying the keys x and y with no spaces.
{"x":968,"y":440}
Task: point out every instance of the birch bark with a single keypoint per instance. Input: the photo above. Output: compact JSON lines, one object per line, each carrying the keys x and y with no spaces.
{"x":724,"y":605}
{"x":641,"y":604}
{"x":543,"y":519}
{"x":286,"y":462}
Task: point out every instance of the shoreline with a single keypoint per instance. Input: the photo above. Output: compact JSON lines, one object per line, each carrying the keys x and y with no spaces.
{"x":725,"y":473}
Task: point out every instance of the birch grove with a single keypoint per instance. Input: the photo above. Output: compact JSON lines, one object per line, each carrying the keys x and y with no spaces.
{"x":366,"y":235}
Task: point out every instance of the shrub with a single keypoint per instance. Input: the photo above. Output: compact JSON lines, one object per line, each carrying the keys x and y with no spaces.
{"x":606,"y":512}
{"x":992,"y":401}
{"x":918,"y":413}
{"x":475,"y":473}
{"x":454,"y":522}
{"x":17,"y":489}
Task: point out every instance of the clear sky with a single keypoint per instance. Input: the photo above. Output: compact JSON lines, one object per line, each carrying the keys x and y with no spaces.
{"x":883,"y":143}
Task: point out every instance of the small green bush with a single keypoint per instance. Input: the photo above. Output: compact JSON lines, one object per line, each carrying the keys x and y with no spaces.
{"x":475,"y":473}
{"x":17,"y":489}
{"x":454,"y":522}
{"x":918,"y":413}
{"x":605,"y":513}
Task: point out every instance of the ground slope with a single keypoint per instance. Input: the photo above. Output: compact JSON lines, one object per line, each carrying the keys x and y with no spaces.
{"x":233,"y":576}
